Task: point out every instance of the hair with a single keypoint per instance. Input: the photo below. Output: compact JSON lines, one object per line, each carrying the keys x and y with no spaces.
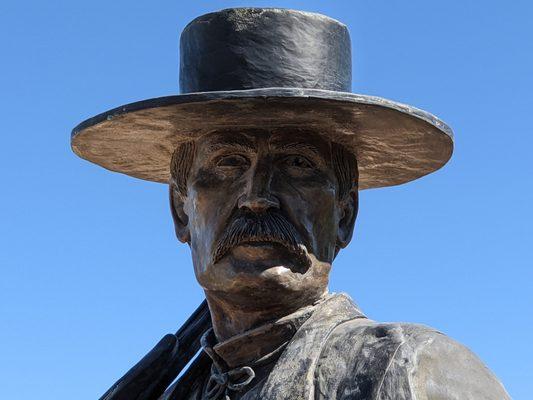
{"x":180,"y":166}
{"x":343,"y":162}
{"x":345,"y":169}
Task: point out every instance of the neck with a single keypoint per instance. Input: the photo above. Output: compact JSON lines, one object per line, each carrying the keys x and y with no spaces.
{"x":232,"y":315}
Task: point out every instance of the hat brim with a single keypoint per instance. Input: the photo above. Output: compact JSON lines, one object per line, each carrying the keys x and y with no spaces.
{"x":393,"y":143}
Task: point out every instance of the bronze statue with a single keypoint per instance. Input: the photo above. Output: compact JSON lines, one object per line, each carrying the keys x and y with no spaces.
{"x":264,"y":152}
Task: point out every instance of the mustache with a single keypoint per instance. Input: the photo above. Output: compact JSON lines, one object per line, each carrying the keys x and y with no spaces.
{"x":270,"y":227}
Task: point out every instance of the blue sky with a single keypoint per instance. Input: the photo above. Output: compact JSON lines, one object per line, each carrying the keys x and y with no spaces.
{"x":91,"y":274}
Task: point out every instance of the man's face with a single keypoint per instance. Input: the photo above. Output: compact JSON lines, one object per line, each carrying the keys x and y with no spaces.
{"x":263,"y":214}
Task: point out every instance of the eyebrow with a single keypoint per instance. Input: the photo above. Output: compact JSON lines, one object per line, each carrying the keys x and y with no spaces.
{"x":245,"y":145}
{"x":291,"y":146}
{"x":235,"y":143}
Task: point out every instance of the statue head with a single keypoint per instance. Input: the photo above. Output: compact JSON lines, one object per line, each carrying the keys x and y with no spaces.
{"x":261,"y":144}
{"x":265,"y":211}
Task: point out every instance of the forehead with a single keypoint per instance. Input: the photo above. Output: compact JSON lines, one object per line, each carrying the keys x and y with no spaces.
{"x":253,"y":139}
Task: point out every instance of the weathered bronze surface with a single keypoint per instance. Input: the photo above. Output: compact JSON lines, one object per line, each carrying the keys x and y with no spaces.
{"x":264,"y":169}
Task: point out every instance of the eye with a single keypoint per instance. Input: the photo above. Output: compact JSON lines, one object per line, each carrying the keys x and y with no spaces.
{"x":298,"y":162}
{"x":233,"y":160}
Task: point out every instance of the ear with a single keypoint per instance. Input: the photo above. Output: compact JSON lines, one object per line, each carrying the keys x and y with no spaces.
{"x":349,"y":207}
{"x":181,"y":220}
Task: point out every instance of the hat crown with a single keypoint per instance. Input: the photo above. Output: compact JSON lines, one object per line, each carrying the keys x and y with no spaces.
{"x":251,"y":48}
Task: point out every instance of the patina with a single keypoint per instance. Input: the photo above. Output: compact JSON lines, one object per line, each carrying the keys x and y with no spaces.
{"x":264,"y":153}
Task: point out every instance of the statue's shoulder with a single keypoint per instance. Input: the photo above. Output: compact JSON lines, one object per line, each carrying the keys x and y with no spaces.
{"x":373,"y":360}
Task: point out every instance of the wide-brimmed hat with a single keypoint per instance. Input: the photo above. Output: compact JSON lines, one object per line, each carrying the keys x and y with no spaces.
{"x":267,"y":68}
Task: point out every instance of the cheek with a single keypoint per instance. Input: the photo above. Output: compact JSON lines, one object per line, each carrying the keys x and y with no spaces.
{"x":314,"y":208}
{"x":210,"y":203}
{"x":203,"y":211}
{"x":201,"y":235}
{"x":209,"y":194}
{"x":322,"y":217}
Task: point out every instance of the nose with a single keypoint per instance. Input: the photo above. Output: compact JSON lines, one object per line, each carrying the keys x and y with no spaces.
{"x":257,"y":196}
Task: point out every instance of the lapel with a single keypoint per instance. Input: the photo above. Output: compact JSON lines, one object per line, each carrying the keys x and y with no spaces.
{"x":292,"y":378}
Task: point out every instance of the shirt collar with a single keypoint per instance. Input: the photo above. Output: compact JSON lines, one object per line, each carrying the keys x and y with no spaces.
{"x":251,"y":346}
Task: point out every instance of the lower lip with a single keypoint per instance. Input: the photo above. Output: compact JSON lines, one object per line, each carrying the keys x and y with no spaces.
{"x":259,"y":249}
{"x":268,"y":254}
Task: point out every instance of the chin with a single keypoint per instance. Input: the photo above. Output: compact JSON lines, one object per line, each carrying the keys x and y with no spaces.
{"x":272,"y":277}
{"x":267,"y":282}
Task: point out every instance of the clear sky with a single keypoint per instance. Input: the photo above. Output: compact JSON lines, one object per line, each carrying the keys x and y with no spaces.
{"x":91,"y":274}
